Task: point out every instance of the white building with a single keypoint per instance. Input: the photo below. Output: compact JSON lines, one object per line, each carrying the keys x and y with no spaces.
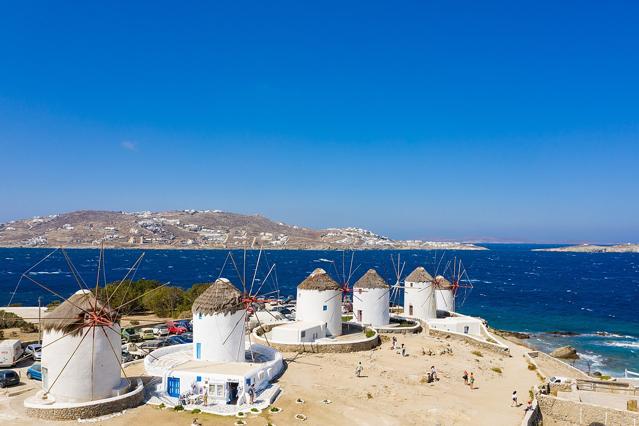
{"x":319,"y":300}
{"x":299,"y":332}
{"x":457,"y":324}
{"x":371,"y":300}
{"x":419,"y":296}
{"x":444,"y":294}
{"x":219,"y":323}
{"x":80,"y":361}
{"x":220,"y":366}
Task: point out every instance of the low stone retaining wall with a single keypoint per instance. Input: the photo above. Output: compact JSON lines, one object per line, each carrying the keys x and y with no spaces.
{"x":562,"y":412}
{"x":549,"y":366}
{"x":85,"y":410}
{"x":321,"y":347}
{"x":497,"y":348}
{"x":416,"y":328}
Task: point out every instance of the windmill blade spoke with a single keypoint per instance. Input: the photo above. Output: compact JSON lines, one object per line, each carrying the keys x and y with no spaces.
{"x":140,"y":296}
{"x":73,"y":272}
{"x":226,"y":259}
{"x":115,"y":355}
{"x":25,"y":356}
{"x":257,"y":265}
{"x":242,"y":318}
{"x":333,"y":297}
{"x":238,"y":273}
{"x":384,"y":294}
{"x":135,"y":266}
{"x":259,"y":323}
{"x":55,"y":293}
{"x":263,"y":282}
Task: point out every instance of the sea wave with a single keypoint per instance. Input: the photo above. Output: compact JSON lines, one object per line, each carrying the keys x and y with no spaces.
{"x":629,"y":345}
{"x":595,"y":360}
{"x":48,"y":273}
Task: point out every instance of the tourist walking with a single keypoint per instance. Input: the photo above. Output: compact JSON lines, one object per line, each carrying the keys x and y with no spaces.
{"x":359,"y":369}
{"x":394,"y":340}
{"x":433,"y":372}
{"x":514,"y":403}
{"x":403,"y":350}
{"x":251,"y":392}
{"x":465,"y":377}
{"x":471,"y":381}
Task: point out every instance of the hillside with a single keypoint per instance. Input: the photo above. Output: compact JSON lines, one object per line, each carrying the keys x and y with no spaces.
{"x":192,"y":229}
{"x":591,"y":248}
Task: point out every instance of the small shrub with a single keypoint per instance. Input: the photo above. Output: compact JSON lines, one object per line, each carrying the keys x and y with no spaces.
{"x":497,"y":370}
{"x":275,"y":409}
{"x":477,"y":353}
{"x":369,"y":395}
{"x":135,"y":322}
{"x":532,"y":367}
{"x":605,"y":377}
{"x":369,"y":332}
{"x":346,"y":318}
{"x":255,"y":410}
{"x":161,"y":406}
{"x":178,"y":408}
{"x":196,"y":411}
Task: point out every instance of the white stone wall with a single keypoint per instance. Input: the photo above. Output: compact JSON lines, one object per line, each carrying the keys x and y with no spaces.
{"x":321,"y":306}
{"x":74,"y":382}
{"x":422,"y":298}
{"x":374,"y":304}
{"x":221,"y":337}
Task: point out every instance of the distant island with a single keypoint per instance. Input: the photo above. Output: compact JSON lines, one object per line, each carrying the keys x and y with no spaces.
{"x":592,"y":248}
{"x":194,"y":229}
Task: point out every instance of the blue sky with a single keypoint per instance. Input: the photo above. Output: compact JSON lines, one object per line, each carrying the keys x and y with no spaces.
{"x":460,"y":120}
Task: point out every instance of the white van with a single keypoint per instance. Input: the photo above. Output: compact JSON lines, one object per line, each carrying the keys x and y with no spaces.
{"x":10,"y":352}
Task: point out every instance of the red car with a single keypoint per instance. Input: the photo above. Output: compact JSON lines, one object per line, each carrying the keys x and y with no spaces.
{"x":175,"y":329}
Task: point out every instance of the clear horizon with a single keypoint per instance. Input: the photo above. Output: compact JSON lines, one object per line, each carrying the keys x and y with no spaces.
{"x":463,"y":121}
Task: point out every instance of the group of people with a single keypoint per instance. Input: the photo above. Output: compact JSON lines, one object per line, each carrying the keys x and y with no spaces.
{"x":400,"y":349}
{"x":469,"y":379}
{"x":516,"y":403}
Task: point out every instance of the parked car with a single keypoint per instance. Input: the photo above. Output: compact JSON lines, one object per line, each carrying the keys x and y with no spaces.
{"x":187,"y":337}
{"x":130,"y":334}
{"x":35,"y":372}
{"x":9,"y":378}
{"x":187,"y":324}
{"x":161,"y":331}
{"x":10,"y":352}
{"x":175,"y":340}
{"x":128,"y":357}
{"x":151,"y":345}
{"x":147,"y":334}
{"x":175,"y":328}
{"x":35,"y":350}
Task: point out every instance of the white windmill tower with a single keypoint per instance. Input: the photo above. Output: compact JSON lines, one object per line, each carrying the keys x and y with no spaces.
{"x":371,"y":299}
{"x":419,"y":297}
{"x":219,"y":323}
{"x":319,"y":299}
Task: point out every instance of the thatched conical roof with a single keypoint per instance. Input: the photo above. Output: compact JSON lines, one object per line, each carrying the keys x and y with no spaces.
{"x":419,"y":275}
{"x":371,"y":279}
{"x":221,"y":297}
{"x":442,"y":283}
{"x":71,"y":315}
{"x":319,"y":280}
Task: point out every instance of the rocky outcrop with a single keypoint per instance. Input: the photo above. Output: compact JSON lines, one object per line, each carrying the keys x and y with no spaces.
{"x":565,"y":352}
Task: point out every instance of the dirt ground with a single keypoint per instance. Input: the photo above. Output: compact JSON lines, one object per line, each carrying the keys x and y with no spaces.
{"x":392,"y":390}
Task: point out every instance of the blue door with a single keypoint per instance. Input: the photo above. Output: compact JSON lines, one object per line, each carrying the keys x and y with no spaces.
{"x":173,"y":387}
{"x":198,"y":350}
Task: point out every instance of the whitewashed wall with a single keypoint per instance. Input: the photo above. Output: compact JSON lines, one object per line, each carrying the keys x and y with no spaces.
{"x":310,"y":307}
{"x":221,"y":336}
{"x":374,"y":304}
{"x":422,"y":297}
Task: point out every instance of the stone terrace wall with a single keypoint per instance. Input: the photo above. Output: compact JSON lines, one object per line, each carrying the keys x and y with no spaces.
{"x":549,"y":366}
{"x":88,"y":410}
{"x":562,"y":412}
{"x":326,"y":347}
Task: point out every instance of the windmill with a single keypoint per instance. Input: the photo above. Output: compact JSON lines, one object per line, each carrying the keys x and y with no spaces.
{"x":456,"y":286}
{"x":81,"y":336}
{"x":252,"y":296}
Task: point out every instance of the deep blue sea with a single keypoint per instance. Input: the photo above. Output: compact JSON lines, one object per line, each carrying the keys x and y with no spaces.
{"x":595,"y":295}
